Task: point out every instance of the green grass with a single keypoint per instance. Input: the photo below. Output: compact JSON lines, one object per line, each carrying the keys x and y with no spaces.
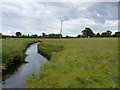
{"x":47,"y":52}
{"x":80,"y":63}
{"x":13,"y":50}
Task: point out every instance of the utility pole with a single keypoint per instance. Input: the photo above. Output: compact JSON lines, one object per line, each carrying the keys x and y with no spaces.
{"x":61,"y":29}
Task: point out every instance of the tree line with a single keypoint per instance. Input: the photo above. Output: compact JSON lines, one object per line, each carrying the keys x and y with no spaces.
{"x":20,"y":35}
{"x":86,"y":33}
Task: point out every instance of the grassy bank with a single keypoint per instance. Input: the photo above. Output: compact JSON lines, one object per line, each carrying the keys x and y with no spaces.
{"x":47,"y":49}
{"x":83,"y":63}
{"x":13,"y":50}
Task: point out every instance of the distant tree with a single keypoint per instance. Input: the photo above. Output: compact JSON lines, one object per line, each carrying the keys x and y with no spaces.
{"x":67,"y":36}
{"x":43,"y":35}
{"x":51,"y":35}
{"x":109,"y":32}
{"x":34,"y":36}
{"x":28,"y":35}
{"x":117,"y":34}
{"x":98,"y":35}
{"x":87,"y":32}
{"x":106,"y":34}
{"x":18,"y":34}
{"x":0,"y":35}
{"x":79,"y":36}
{"x":46,"y":36}
{"x":40,"y":36}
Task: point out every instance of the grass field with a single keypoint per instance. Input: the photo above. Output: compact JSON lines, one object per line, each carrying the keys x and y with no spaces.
{"x":78,"y":63}
{"x":74,"y":63}
{"x":13,"y":50}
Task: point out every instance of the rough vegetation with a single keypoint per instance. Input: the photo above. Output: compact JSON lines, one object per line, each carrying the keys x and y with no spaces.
{"x":13,"y":50}
{"x":82,"y":63}
{"x":47,"y":52}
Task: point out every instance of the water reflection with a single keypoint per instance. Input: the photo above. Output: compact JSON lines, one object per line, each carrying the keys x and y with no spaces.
{"x":15,"y":77}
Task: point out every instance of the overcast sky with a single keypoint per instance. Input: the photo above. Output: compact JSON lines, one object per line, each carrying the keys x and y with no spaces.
{"x":38,"y":17}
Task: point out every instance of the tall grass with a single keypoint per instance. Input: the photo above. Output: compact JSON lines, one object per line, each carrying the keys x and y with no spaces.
{"x":47,"y":52}
{"x":83,"y":63}
{"x":13,"y":50}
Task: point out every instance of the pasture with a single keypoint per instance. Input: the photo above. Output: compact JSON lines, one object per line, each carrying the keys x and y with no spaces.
{"x":78,"y":63}
{"x":74,"y":63}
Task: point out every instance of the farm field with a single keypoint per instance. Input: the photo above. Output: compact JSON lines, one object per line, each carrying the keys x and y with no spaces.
{"x":74,"y":63}
{"x":78,"y":63}
{"x":59,"y":44}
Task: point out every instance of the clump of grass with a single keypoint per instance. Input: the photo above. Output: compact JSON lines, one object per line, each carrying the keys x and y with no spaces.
{"x":83,"y":63}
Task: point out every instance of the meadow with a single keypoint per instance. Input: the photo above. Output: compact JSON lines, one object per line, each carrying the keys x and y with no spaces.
{"x":73,"y":63}
{"x":78,"y":63}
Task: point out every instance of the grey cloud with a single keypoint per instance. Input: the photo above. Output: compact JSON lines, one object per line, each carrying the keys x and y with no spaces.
{"x":99,"y":12}
{"x":106,"y":11}
{"x":46,"y":16}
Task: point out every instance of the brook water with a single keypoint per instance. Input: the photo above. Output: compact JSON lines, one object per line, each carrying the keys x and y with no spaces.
{"x":15,"y":77}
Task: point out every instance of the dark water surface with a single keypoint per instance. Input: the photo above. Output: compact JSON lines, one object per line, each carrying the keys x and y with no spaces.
{"x":15,"y":77}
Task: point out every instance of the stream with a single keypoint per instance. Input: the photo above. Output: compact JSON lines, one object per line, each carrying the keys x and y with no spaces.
{"x":16,"y":76}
